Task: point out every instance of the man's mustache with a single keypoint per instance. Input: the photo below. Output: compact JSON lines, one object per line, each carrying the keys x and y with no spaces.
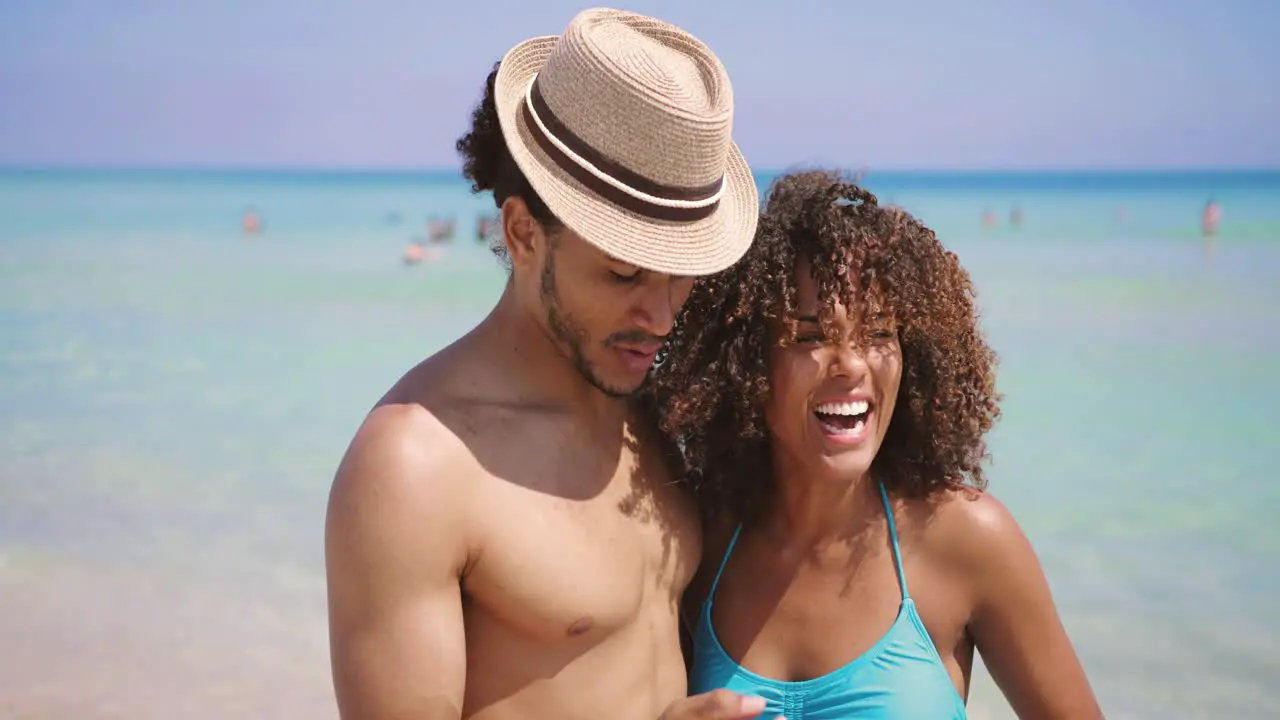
{"x":635,"y":337}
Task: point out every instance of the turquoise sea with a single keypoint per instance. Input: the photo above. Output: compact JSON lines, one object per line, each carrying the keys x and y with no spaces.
{"x":174,"y":398}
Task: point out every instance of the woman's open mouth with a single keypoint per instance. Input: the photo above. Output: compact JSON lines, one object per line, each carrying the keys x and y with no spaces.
{"x":844,"y":422}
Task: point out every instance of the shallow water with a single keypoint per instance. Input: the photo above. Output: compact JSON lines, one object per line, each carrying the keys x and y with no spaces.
{"x":174,"y":399}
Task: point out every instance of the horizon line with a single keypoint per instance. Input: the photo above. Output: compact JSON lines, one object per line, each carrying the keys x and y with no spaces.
{"x":443,"y":169}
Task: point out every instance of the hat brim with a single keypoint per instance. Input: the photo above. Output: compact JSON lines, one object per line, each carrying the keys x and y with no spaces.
{"x":696,"y":248}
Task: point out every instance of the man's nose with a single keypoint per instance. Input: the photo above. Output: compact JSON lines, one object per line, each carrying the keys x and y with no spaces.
{"x":655,"y":311}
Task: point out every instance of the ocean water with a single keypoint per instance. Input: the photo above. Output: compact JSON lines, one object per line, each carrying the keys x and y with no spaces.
{"x":175,"y":396}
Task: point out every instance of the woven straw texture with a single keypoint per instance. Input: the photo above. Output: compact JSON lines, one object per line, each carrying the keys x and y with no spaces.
{"x":653,"y":99}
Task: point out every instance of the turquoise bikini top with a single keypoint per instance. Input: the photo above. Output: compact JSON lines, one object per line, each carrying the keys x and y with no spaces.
{"x":901,"y":677}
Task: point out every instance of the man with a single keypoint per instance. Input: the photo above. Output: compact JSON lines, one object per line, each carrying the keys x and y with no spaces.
{"x":504,"y":539}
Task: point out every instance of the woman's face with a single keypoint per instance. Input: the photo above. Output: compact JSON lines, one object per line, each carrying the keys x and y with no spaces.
{"x":831,"y":401}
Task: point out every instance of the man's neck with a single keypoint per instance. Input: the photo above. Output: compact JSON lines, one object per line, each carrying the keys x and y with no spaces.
{"x":536,"y":369}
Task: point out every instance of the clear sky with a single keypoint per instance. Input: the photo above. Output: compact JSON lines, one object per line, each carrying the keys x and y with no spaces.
{"x":890,"y":84}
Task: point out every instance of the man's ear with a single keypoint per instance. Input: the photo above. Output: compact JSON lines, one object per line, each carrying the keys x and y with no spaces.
{"x":521,"y":233}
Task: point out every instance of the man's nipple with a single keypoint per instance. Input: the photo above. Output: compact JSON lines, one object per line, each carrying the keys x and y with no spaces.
{"x":580,"y":626}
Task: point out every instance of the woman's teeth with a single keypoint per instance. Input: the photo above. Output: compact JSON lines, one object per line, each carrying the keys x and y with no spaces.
{"x":857,"y":407}
{"x":842,"y":418}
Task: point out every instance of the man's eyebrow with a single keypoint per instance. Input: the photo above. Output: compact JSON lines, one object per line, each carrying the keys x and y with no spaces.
{"x":808,"y":319}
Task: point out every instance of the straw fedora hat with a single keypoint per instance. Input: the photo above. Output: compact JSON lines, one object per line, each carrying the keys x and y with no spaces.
{"x":622,"y":125}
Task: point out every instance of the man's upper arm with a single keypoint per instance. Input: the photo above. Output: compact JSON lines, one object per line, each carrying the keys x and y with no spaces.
{"x":1015,"y":623}
{"x":395,"y":548}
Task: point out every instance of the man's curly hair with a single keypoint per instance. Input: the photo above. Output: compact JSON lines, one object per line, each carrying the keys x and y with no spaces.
{"x":711,"y":384}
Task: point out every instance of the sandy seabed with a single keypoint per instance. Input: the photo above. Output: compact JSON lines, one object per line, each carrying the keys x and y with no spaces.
{"x":85,"y":643}
{"x":81,"y":642}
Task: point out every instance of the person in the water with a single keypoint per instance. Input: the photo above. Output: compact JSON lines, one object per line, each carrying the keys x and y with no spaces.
{"x":1210,"y":219}
{"x":415,"y":253}
{"x":831,"y":393}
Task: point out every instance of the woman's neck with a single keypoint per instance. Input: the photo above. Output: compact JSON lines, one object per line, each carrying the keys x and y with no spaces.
{"x":811,"y":509}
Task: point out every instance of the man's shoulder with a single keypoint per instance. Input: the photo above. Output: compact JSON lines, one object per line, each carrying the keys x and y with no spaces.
{"x":433,"y":405}
{"x":406,"y":441}
{"x":403,"y":469}
{"x":466,"y":397}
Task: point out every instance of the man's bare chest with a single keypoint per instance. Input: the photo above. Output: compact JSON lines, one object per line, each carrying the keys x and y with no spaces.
{"x":563,"y":564}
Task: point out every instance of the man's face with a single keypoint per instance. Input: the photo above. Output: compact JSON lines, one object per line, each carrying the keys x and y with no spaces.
{"x":608,"y":317}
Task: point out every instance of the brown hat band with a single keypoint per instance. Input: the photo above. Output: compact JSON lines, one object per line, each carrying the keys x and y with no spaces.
{"x":538,"y":115}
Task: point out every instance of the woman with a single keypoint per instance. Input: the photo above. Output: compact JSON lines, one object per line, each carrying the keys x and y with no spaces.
{"x":831,"y":393}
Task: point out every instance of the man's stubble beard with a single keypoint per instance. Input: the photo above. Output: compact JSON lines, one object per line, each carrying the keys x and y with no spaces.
{"x":565,"y":329}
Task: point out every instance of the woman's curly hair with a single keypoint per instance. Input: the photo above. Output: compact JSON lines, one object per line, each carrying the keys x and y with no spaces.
{"x":711,"y":384}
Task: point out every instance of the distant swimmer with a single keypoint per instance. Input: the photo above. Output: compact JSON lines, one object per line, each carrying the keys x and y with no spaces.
{"x":419,"y":252}
{"x":989,"y":218}
{"x":440,"y":231}
{"x":1211,"y":218}
{"x":486,"y":227}
{"x":1015,"y":217}
{"x":1122,"y":215}
{"x":251,"y":223}
{"x":415,"y":253}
